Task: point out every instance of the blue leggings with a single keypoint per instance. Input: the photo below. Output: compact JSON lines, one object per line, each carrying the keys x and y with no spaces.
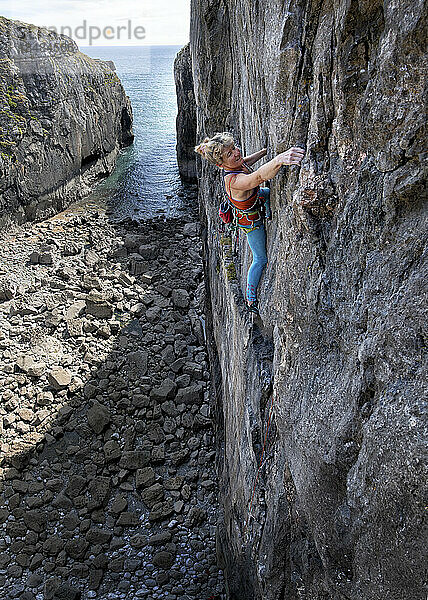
{"x":257,"y":242}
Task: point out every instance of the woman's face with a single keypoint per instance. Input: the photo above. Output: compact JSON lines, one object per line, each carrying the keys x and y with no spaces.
{"x":232,"y":157}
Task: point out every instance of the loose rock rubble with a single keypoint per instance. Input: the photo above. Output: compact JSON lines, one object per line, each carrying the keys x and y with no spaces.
{"x":107,"y":482}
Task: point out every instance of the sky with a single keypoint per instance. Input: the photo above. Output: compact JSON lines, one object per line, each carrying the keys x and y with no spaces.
{"x":108,"y":22}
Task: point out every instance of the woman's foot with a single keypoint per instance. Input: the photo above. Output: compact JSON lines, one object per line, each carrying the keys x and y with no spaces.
{"x":253,"y":306}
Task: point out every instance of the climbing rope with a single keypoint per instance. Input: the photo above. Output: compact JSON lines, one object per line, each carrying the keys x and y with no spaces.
{"x":214,"y":597}
{"x":258,"y":469}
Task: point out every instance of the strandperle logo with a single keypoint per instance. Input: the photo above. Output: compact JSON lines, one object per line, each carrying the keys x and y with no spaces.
{"x":44,"y":50}
{"x":86,"y":33}
{"x":109,"y":32}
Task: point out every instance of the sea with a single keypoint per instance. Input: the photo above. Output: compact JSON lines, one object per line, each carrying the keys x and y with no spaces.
{"x":146,"y":181}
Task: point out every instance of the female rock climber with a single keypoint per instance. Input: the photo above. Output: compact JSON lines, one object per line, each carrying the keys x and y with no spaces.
{"x":248,"y":199}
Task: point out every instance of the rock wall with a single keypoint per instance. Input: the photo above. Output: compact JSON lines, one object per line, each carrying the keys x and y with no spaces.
{"x":337,"y":507}
{"x":186,"y":117}
{"x":64,"y":117}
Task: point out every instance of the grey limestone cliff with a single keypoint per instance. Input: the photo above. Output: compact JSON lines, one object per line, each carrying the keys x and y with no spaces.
{"x":186,"y":117}
{"x":63,"y":116}
{"x":338,"y":506}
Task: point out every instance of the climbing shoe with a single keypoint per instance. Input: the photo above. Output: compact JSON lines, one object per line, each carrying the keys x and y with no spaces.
{"x":254,"y":307}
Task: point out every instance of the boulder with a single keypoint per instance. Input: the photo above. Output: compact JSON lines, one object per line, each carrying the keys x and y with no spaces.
{"x":98,"y":417}
{"x":59,"y":378}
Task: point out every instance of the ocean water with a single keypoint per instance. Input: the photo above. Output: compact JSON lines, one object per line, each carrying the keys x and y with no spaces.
{"x":146,"y":180}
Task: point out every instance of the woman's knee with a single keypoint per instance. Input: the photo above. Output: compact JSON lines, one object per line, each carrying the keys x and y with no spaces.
{"x":260,"y":260}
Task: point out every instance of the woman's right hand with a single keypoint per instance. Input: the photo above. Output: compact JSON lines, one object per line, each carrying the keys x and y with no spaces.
{"x":293,"y":156}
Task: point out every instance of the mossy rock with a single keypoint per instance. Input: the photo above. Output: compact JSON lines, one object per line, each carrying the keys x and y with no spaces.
{"x":230,"y":271}
{"x":226,"y":240}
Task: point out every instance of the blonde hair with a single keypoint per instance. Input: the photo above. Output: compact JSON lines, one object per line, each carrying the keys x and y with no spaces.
{"x":213,"y":148}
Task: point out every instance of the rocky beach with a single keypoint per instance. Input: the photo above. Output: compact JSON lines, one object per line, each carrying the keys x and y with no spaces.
{"x":107,"y":480}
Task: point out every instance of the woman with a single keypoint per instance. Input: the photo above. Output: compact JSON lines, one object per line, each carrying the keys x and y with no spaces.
{"x":242,"y":186}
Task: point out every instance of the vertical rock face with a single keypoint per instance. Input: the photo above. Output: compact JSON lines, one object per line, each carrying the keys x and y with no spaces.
{"x":337,"y":507}
{"x":186,"y":117}
{"x":64,"y":117}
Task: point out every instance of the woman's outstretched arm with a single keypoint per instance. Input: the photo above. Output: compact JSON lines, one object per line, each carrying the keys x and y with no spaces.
{"x":243,"y":182}
{"x":252,"y":158}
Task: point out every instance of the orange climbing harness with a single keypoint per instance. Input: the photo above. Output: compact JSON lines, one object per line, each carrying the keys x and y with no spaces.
{"x":245,"y":213}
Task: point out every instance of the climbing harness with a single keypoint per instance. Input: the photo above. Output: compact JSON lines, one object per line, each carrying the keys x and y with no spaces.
{"x":250,"y":503}
{"x":242,"y":215}
{"x":225,"y":212}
